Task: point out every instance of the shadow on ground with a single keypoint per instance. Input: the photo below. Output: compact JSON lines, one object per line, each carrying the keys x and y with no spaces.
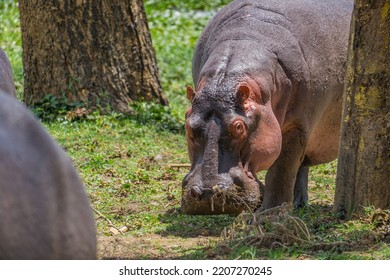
{"x":182,"y":225}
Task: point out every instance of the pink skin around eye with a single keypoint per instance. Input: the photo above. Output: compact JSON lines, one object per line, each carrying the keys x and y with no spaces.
{"x":237,"y":128}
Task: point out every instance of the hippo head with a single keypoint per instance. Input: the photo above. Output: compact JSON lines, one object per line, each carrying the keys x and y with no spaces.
{"x":232,"y":133}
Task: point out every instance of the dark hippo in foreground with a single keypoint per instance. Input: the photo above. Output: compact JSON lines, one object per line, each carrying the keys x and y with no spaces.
{"x":44,"y":210}
{"x":269,"y":81}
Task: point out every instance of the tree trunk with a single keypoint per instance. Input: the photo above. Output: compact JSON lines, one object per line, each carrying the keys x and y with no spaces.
{"x":98,"y":52}
{"x":363,"y":173}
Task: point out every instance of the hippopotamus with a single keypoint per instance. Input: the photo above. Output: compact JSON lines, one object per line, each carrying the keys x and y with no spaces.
{"x":44,"y":209}
{"x":269,"y":78}
{"x":6,"y":78}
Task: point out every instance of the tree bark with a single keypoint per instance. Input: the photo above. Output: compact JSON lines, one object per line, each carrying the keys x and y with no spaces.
{"x":363,"y":173}
{"x":98,"y":52}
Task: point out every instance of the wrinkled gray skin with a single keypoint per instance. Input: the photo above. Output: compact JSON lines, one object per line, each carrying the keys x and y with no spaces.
{"x":44,"y":210}
{"x":268,"y":78}
{"x":6,"y":78}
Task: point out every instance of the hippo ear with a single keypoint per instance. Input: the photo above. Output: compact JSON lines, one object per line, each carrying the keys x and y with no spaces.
{"x":190,"y":93}
{"x":243,"y":93}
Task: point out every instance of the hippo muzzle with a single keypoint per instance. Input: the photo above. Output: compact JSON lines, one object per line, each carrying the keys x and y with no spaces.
{"x":232,"y":193}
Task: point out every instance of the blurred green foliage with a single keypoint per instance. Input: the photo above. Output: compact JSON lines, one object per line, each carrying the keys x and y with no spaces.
{"x":175,"y":27}
{"x":11,"y":40}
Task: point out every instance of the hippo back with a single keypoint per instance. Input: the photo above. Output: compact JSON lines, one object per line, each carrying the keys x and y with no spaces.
{"x":302,"y":35}
{"x":6,"y":79}
{"x":44,"y":210}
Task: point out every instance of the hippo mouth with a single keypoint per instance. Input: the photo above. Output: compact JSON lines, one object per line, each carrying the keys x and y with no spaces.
{"x":233,"y":193}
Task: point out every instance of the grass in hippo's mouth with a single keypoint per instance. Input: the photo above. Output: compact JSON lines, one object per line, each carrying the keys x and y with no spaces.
{"x":220,"y":200}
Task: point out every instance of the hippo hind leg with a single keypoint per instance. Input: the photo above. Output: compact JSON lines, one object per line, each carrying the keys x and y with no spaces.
{"x":300,"y":187}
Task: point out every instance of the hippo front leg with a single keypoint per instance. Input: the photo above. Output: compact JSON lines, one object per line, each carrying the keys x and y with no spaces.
{"x":281,"y":177}
{"x":300,"y":188}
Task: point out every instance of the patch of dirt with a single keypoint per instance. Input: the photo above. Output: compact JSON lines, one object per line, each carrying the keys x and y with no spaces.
{"x":151,"y":247}
{"x":127,"y":209}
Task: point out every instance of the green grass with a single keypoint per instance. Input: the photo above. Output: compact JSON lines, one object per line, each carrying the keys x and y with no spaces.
{"x":124,"y":162}
{"x":175,"y":27}
{"x":11,"y":39}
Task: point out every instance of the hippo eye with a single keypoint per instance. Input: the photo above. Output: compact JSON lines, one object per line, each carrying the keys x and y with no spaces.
{"x":237,"y":128}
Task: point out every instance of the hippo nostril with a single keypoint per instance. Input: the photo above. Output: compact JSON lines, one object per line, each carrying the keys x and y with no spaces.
{"x":207,"y":192}
{"x":195,"y":192}
{"x":222,"y":186}
{"x":219,"y":187}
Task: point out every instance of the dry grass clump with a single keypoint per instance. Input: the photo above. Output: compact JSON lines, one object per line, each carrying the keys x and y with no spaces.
{"x":275,"y":227}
